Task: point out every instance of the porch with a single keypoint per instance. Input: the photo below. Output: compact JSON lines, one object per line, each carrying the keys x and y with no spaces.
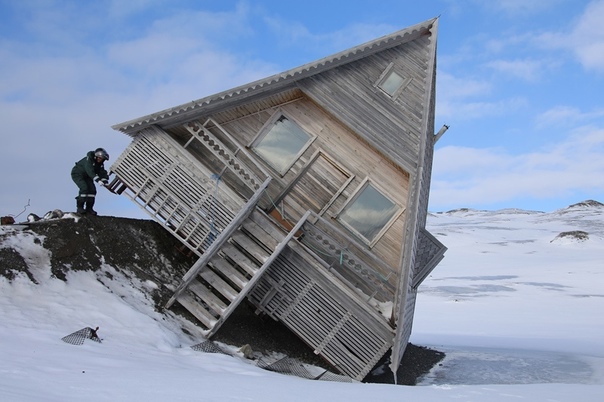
{"x":324,"y":286}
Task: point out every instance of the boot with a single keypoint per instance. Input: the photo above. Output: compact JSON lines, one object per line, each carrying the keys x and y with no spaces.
{"x":80,"y":205}
{"x":89,"y":205}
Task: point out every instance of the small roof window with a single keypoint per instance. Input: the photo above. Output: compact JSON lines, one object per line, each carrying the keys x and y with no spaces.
{"x":392,"y":81}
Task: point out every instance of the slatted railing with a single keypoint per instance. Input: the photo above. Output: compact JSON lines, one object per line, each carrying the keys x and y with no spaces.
{"x":178,"y":191}
{"x":354,"y":263}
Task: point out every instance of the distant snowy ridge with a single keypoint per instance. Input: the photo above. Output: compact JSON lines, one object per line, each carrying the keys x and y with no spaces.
{"x":584,"y":216}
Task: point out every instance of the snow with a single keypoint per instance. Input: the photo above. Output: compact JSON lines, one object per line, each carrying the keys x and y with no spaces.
{"x":516,"y":309}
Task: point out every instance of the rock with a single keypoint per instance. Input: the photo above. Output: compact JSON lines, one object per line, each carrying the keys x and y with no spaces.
{"x":575,"y":235}
{"x":7,"y":220}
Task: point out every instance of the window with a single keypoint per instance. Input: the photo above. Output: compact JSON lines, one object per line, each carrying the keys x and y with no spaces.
{"x":393,"y":81}
{"x":368,"y":213}
{"x":281,"y":142}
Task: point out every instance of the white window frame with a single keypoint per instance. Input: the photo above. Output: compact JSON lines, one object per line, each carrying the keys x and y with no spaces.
{"x":357,"y":192}
{"x":386,"y":74}
{"x":266,"y":128}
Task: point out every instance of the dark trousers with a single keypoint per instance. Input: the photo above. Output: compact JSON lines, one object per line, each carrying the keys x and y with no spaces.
{"x":85,"y":185}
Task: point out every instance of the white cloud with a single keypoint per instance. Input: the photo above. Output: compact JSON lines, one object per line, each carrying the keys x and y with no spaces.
{"x":519,"y":7}
{"x":298,"y":35}
{"x":566,"y":116}
{"x":121,"y":9}
{"x":588,"y":36}
{"x":468,"y":98}
{"x":59,"y":97}
{"x":448,"y":108}
{"x":529,"y":70}
{"x":465,"y":176}
{"x":585,"y":38}
{"x":459,"y":88}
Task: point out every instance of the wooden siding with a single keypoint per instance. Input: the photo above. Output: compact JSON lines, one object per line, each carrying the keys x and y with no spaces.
{"x":392,"y":127}
{"x":404,"y":306}
{"x":429,"y":253}
{"x":344,"y":149}
{"x":349,"y":260}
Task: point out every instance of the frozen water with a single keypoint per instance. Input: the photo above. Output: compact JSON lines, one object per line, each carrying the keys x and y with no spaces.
{"x":476,"y":366}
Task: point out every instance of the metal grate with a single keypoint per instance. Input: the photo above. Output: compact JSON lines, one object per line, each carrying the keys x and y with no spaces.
{"x":208,"y":347}
{"x":78,"y":337}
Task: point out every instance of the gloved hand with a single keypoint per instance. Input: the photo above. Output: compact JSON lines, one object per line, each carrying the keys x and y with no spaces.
{"x":103,"y":182}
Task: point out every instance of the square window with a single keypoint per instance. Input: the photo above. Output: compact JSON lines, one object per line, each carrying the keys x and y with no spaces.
{"x":392,"y":83}
{"x":368,"y":213}
{"x":281,"y":143}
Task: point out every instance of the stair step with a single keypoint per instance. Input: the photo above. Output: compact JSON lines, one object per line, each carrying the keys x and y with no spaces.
{"x":208,"y":297}
{"x":222,"y":283}
{"x":249,"y":266}
{"x":189,"y":302}
{"x":266,"y":223}
{"x":219,"y":284}
{"x":250,"y":246}
{"x":219,"y":264}
{"x":259,"y":233}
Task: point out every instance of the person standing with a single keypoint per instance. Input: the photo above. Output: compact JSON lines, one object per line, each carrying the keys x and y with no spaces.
{"x":85,"y":173}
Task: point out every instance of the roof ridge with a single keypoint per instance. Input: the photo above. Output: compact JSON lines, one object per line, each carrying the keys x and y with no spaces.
{"x":294,"y":74}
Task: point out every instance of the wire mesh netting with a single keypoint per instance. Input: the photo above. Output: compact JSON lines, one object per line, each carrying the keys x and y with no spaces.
{"x":281,"y":365}
{"x":296,"y":368}
{"x":209,"y":347}
{"x":286,"y":365}
{"x":78,"y":337}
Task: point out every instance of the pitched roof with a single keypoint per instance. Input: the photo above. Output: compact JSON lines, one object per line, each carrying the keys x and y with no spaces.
{"x":278,"y":80}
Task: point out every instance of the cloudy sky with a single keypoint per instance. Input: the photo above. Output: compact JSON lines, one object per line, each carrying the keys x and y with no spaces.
{"x":519,"y":83}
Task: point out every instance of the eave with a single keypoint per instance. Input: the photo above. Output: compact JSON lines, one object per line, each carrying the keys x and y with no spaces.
{"x":275,"y":82}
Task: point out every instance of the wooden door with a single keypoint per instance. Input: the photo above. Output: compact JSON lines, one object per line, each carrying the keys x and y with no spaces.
{"x":315,"y":188}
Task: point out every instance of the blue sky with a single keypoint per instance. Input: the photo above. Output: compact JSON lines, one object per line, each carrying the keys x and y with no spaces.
{"x":518,"y":82}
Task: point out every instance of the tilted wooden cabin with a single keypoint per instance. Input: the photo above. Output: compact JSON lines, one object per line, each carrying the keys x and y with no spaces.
{"x":306,"y":193}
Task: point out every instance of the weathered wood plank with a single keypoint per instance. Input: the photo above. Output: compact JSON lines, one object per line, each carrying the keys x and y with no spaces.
{"x":268,"y":225}
{"x":219,"y":284}
{"x":208,"y":297}
{"x":242,"y":260}
{"x":188,"y":302}
{"x":250,"y":247}
{"x":260,"y":234}
{"x":228,"y":271}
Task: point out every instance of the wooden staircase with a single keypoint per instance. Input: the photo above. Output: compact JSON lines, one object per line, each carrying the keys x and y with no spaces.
{"x":221,"y":284}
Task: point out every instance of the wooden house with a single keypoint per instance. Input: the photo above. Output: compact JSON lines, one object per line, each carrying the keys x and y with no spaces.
{"x":306,"y":193}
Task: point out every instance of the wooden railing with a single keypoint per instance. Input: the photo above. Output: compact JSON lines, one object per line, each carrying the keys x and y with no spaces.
{"x":347,"y":258}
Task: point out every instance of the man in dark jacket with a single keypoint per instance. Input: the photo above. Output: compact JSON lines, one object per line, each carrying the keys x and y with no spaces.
{"x":85,"y":172}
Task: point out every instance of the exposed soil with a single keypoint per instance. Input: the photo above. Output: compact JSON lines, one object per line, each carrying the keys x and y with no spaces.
{"x":142,"y":248}
{"x":265,"y":335}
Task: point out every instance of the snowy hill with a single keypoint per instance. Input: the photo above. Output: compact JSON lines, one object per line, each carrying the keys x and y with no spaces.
{"x":516,"y":306}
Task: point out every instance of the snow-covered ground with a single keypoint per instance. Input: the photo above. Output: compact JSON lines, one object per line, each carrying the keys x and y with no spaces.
{"x":517,"y":309}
